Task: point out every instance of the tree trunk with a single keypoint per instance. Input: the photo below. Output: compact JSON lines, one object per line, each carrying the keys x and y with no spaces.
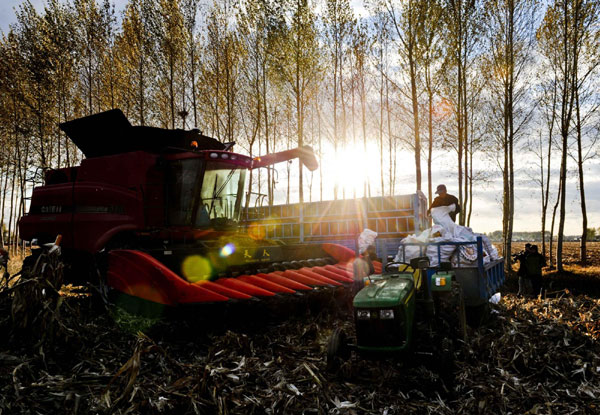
{"x":552,"y":225}
{"x":546,"y":194}
{"x":470,"y":198}
{"x":415,"y":110}
{"x":430,"y":146}
{"x":465,"y":129}
{"x":335,"y":119}
{"x":343,"y":105}
{"x":172,"y":91}
{"x":390,"y":136}
{"x":363,"y":111}
{"x":3,"y":205}
{"x":381,"y":127}
{"x":562,"y":196}
{"x":584,"y":222}
{"x":10,"y":238}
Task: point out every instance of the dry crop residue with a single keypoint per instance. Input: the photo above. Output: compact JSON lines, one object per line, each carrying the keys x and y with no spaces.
{"x":540,"y":356}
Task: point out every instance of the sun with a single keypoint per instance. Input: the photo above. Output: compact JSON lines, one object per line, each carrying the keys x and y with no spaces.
{"x":351,"y":167}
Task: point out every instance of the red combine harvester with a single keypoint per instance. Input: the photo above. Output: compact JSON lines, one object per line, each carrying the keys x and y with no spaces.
{"x":158,"y":211}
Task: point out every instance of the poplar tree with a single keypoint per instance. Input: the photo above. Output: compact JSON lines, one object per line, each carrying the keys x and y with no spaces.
{"x":510,"y":32}
{"x":562,"y":39}
{"x":298,"y":65}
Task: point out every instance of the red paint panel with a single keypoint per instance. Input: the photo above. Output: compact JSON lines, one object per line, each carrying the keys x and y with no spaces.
{"x":139,"y":274}
{"x":228,"y":292}
{"x":198,"y":294}
{"x":348,"y":267}
{"x":339,"y":270}
{"x":339,"y":252}
{"x":309,"y":273}
{"x":244,"y":287}
{"x":333,"y":275}
{"x":294,"y":275}
{"x":286,"y":282}
{"x":266,"y":284}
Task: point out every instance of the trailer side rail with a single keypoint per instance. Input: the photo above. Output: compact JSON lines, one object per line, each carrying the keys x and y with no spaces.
{"x":490,"y":276}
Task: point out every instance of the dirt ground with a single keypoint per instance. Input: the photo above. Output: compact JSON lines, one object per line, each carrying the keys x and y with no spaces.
{"x":532,"y":355}
{"x":571,"y":254}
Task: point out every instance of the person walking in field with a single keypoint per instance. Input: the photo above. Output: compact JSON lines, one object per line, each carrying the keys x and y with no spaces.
{"x":524,"y":282}
{"x":363,"y":267}
{"x":4,"y":264}
{"x":445,"y":199}
{"x":534,"y":262}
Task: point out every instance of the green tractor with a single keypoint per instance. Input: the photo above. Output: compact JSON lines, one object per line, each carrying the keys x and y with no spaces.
{"x":408,"y":309}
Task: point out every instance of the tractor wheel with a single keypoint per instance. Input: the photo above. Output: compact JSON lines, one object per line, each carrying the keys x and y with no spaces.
{"x":460,"y":309}
{"x":453,"y":312}
{"x":478,"y":315}
{"x":337,"y":350}
{"x":446,"y":357}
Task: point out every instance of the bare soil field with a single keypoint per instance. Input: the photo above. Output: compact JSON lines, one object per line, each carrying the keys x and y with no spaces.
{"x":571,"y":254}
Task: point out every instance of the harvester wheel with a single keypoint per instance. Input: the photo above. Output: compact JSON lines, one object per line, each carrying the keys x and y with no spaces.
{"x":337,"y":350}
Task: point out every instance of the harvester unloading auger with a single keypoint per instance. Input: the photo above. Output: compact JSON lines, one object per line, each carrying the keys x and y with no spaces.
{"x":158,"y":212}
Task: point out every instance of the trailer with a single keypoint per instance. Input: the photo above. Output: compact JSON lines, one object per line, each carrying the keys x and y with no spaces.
{"x":479,"y":281}
{"x":342,"y":221}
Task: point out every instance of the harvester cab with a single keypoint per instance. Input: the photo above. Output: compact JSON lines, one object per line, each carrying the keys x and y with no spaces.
{"x":158,"y":215}
{"x":411,"y":308}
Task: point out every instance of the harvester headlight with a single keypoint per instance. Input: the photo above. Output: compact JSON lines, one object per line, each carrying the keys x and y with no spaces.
{"x":363,"y":314}
{"x":386,"y":314}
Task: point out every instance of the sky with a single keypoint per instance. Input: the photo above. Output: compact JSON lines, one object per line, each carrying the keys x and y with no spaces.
{"x":352,"y":166}
{"x":8,"y":7}
{"x":487,"y":210}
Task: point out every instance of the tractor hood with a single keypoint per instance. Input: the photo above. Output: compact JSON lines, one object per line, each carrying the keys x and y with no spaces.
{"x":110,"y":132}
{"x":390,"y":291}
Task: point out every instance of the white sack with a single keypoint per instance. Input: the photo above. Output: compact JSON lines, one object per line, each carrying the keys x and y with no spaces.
{"x":441,"y":216}
{"x":445,"y":230}
{"x":438,"y":231}
{"x":409,"y":252}
{"x":366,"y":238}
{"x":463,"y":234}
{"x":446,"y":251}
{"x":489,"y":247}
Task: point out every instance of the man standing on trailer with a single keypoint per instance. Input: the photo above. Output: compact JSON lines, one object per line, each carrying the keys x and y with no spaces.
{"x":445,"y":199}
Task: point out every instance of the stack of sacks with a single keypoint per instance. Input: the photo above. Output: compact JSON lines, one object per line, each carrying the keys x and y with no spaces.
{"x":445,"y":230}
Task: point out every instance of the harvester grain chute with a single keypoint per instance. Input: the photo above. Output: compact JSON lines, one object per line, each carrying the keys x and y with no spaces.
{"x":158,"y":213}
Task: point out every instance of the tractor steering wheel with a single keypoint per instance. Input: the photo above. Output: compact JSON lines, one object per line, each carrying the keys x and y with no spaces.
{"x":389,"y":265}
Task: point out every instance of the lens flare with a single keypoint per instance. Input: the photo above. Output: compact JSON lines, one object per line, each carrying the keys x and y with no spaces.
{"x":196,"y":268}
{"x":227,"y":250}
{"x":257,"y":232}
